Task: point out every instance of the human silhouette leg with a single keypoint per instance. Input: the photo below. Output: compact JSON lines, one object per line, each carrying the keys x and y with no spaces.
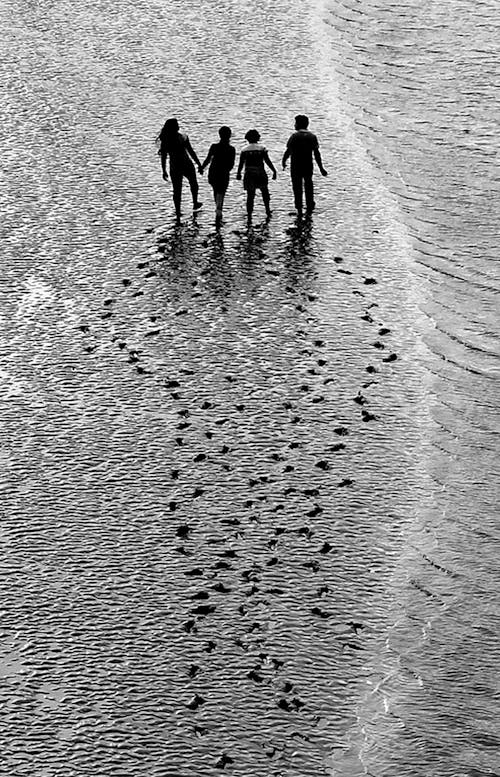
{"x":250,"y":202}
{"x":309,"y":192}
{"x":176,"y":179}
{"x":266,"y":199}
{"x":297,"y":190}
{"x":190,"y":174}
{"x":219,"y":204}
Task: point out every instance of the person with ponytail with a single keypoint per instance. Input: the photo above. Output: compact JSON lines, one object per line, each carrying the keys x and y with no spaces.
{"x":177,"y":147}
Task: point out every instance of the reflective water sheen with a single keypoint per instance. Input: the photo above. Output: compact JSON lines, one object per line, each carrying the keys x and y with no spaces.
{"x":249,"y":477}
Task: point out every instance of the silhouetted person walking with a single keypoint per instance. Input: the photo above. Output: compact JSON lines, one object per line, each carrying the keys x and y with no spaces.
{"x":177,"y":147}
{"x":301,"y":147}
{"x":221,"y":158}
{"x":252,"y":158}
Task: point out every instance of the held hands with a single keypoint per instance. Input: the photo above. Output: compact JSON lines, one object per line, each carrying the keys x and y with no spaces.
{"x":238,"y":176}
{"x":274,"y":175}
{"x":200,"y":169}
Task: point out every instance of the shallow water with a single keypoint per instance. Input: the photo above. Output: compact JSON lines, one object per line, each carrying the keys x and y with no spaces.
{"x":188,"y":418}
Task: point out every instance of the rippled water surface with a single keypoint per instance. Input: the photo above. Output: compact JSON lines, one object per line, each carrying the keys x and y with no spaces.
{"x":249,"y":516}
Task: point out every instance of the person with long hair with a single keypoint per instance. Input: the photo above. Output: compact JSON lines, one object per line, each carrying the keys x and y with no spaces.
{"x":221,"y":157}
{"x":178,"y":148}
{"x":252,"y":158}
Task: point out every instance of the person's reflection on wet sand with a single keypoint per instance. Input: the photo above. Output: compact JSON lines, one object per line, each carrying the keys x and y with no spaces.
{"x":217,"y":271}
{"x":299,"y":253}
{"x":251,"y":249}
{"x":179,"y":247}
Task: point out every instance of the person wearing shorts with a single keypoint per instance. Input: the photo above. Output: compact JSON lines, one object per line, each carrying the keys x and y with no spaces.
{"x":221,"y":158}
{"x":252,"y":159}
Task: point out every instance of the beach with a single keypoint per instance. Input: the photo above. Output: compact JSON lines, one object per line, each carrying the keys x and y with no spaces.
{"x":229,"y":509}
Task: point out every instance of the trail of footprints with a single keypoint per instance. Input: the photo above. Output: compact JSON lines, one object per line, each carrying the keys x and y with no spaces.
{"x":264,"y":669}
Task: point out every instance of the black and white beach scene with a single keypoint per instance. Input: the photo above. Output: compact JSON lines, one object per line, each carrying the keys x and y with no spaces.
{"x":249,"y":370}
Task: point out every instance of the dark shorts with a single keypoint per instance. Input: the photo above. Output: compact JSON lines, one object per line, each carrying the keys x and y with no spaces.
{"x":218,"y":180}
{"x":185,"y":170}
{"x":255,"y":179}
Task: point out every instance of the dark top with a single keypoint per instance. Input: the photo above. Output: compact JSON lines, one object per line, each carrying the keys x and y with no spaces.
{"x":223,"y":155}
{"x":177,"y":151}
{"x":302,"y":145}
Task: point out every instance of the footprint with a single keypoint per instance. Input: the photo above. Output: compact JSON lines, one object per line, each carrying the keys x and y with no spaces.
{"x":321,"y":613}
{"x":196,"y":572}
{"x":255,"y":676}
{"x":200,"y":595}
{"x":195,"y":702}
{"x":224,"y":760}
{"x":221,"y":588}
{"x":203,"y":609}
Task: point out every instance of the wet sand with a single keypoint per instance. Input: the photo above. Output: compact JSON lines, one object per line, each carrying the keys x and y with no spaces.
{"x":227,"y":545}
{"x":232,"y":464}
